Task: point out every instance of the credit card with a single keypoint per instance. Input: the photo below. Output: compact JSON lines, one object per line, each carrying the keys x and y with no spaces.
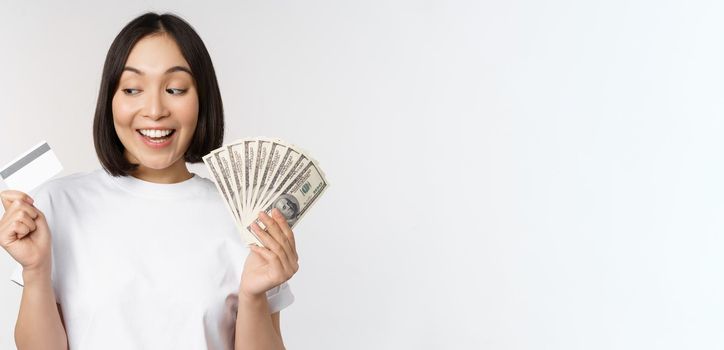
{"x":29,"y":170}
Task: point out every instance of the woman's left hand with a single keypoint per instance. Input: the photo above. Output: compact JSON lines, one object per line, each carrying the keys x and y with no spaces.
{"x":275,"y":263}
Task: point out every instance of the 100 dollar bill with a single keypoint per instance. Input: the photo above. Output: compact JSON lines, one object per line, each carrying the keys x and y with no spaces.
{"x":298,"y":196}
{"x":261,"y":174}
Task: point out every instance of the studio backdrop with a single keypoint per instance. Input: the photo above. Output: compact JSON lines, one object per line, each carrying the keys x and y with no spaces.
{"x":503,"y":174}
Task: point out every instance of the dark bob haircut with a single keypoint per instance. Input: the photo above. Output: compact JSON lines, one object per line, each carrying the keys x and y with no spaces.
{"x":209,"y":133}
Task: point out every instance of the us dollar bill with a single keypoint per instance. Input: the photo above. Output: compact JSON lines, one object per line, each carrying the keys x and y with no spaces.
{"x":273,"y":155}
{"x":298,"y":196}
{"x":288,"y":168}
{"x":249,"y":162}
{"x":219,"y":180}
{"x":260,"y":174}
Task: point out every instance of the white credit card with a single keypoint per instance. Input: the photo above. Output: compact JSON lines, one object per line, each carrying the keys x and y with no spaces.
{"x":31,"y":169}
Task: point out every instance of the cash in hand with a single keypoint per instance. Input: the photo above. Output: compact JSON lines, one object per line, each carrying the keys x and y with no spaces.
{"x":260,"y":174}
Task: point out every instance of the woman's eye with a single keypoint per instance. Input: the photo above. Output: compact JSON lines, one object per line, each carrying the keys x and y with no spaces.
{"x":131,"y":91}
{"x":173,"y":91}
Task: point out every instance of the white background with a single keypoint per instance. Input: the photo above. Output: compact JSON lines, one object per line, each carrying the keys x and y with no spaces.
{"x":505,"y":174}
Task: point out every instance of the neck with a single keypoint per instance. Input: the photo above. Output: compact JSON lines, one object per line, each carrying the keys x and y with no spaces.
{"x":175,"y":173}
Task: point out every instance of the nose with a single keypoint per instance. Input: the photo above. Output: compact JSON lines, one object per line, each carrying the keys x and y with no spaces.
{"x":154,"y":107}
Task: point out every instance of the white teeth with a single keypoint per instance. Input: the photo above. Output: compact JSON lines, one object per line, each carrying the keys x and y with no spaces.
{"x":155,"y":133}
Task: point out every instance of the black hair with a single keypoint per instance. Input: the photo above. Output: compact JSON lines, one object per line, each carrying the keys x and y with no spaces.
{"x":209,"y":133}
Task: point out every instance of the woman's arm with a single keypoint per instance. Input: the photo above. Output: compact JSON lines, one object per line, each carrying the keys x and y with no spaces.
{"x":25,"y":234}
{"x":275,"y":322}
{"x":39,"y":324}
{"x":255,"y":327}
{"x":265,"y":268}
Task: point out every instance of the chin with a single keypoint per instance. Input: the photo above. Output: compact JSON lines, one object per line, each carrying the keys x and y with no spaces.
{"x":156,"y":165}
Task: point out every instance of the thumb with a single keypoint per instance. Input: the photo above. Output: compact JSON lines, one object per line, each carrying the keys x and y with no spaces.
{"x":41,"y":222}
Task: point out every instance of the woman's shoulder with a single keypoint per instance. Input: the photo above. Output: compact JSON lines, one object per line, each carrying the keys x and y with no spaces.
{"x":206,"y":183}
{"x":69,"y":183}
{"x":54,"y":194}
{"x":75,"y":178}
{"x":99,"y":182}
{"x":208,"y":188}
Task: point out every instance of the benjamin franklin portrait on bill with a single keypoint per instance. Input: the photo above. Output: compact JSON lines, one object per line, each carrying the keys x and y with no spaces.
{"x":288,"y":206}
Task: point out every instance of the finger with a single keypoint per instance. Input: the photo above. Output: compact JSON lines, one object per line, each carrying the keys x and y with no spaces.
{"x":284,"y":225}
{"x":22,"y":206}
{"x":25,"y":227}
{"x":9,"y":196}
{"x":278,"y":274}
{"x":21,"y":230}
{"x":41,"y":220}
{"x":276,"y":232}
{"x":271,"y":244}
{"x":25,"y":219}
{"x":286,"y":232}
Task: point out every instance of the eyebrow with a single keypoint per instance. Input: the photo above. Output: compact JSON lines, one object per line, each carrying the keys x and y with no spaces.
{"x":168,"y":71}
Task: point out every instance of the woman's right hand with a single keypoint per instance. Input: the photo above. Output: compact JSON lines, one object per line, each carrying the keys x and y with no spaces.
{"x":24,"y":232}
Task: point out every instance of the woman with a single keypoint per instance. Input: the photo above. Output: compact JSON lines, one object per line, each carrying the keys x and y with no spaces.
{"x":144,"y":254}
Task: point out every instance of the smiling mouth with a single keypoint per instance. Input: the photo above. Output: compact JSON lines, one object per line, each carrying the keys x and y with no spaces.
{"x":156,"y":135}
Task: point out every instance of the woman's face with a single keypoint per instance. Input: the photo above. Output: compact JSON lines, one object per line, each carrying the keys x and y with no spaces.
{"x":156,"y":106}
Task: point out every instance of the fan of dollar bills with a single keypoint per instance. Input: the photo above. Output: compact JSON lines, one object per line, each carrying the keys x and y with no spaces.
{"x":260,"y":174}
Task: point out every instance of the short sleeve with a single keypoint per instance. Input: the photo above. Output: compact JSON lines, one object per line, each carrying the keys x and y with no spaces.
{"x":279,"y":297}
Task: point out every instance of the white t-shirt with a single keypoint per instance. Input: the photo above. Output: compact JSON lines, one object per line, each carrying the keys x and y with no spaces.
{"x":140,"y":265}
